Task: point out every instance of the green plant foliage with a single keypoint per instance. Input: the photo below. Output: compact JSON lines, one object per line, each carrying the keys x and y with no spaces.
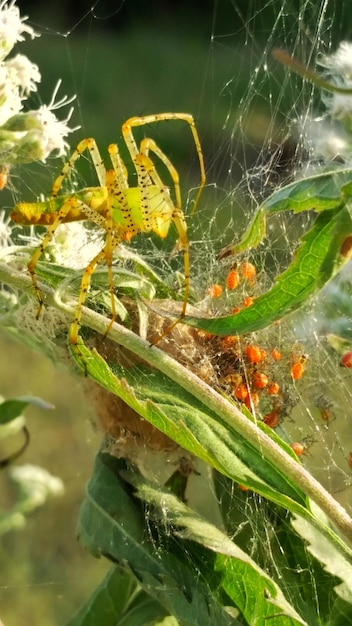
{"x":319,"y":256}
{"x":113,"y":524}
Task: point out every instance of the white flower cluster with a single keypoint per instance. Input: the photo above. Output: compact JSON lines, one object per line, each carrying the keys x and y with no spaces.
{"x":31,"y":135}
{"x":36,"y":484}
{"x":339,"y":63}
{"x":330,"y":135}
{"x":339,"y":67}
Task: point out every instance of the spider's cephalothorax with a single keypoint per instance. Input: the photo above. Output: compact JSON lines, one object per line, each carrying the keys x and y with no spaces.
{"x":120,"y":210}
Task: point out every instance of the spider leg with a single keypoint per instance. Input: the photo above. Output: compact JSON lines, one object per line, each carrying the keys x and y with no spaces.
{"x":160,"y":117}
{"x":86,"y":144}
{"x":64,"y":210}
{"x":147,"y":145}
{"x":118,"y":187}
{"x":114,"y":242}
{"x":181,"y":226}
{"x":105,"y":255}
{"x":168,"y":212}
{"x":70,"y":204}
{"x":85,"y":284}
{"x":119,"y":166}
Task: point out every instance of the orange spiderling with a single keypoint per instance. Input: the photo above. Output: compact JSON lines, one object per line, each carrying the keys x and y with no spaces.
{"x":229,"y":341}
{"x":235,"y":310}
{"x":215,"y":291}
{"x":252,"y":400}
{"x":273,"y":389}
{"x":260,"y":380}
{"x":297,"y":447}
{"x":271,"y":419}
{"x":248,"y":301}
{"x":243,"y":487}
{"x":248,"y":271}
{"x":346,"y":359}
{"x":233,"y":279}
{"x":297,"y":371}
{"x":4,"y":172}
{"x":255,"y":354}
{"x":241,"y":391}
{"x":350,"y":460}
{"x":298,"y":367}
{"x":276,"y":354}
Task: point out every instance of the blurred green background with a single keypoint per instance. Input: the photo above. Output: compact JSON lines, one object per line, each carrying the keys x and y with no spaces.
{"x":124,"y":59}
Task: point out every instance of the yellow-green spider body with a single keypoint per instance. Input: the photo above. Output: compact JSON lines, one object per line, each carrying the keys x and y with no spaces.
{"x":120,"y":210}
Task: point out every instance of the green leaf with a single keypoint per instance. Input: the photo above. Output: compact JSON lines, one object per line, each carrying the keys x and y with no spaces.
{"x":341,"y":614}
{"x":112,"y":524}
{"x":224,"y":445}
{"x":276,"y":547}
{"x":11,"y":409}
{"x":117,"y":601}
{"x":194,"y":427}
{"x":233,"y":563}
{"x":332,"y":559}
{"x":322,"y":192}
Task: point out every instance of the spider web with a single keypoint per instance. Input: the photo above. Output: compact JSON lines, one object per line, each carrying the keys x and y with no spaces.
{"x":271,"y":143}
{"x":255,"y":119}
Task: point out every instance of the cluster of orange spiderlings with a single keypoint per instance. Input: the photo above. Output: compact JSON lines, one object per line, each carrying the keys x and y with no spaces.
{"x":245,"y":272}
{"x":245,"y":374}
{"x":248,"y":373}
{"x":245,"y":370}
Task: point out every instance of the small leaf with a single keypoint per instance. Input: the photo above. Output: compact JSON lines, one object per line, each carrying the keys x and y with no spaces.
{"x":10,"y":409}
{"x":277,"y":548}
{"x":109,"y":601}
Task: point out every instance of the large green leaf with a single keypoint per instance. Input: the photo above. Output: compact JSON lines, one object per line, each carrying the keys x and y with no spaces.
{"x":113,"y":524}
{"x":196,"y":428}
{"x":211,"y":436}
{"x":277,"y":548}
{"x":240,"y":574}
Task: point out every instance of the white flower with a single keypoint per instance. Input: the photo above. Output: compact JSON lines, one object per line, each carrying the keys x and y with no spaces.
{"x":22,"y":73}
{"x":36,"y":484}
{"x":53,"y":131}
{"x":5,"y":230}
{"x":328,"y":139}
{"x":340,"y":106}
{"x":10,"y":98}
{"x":74,"y":236}
{"x":339,"y":63}
{"x":11,"y":27}
{"x":34,"y":135}
{"x":18,"y":77}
